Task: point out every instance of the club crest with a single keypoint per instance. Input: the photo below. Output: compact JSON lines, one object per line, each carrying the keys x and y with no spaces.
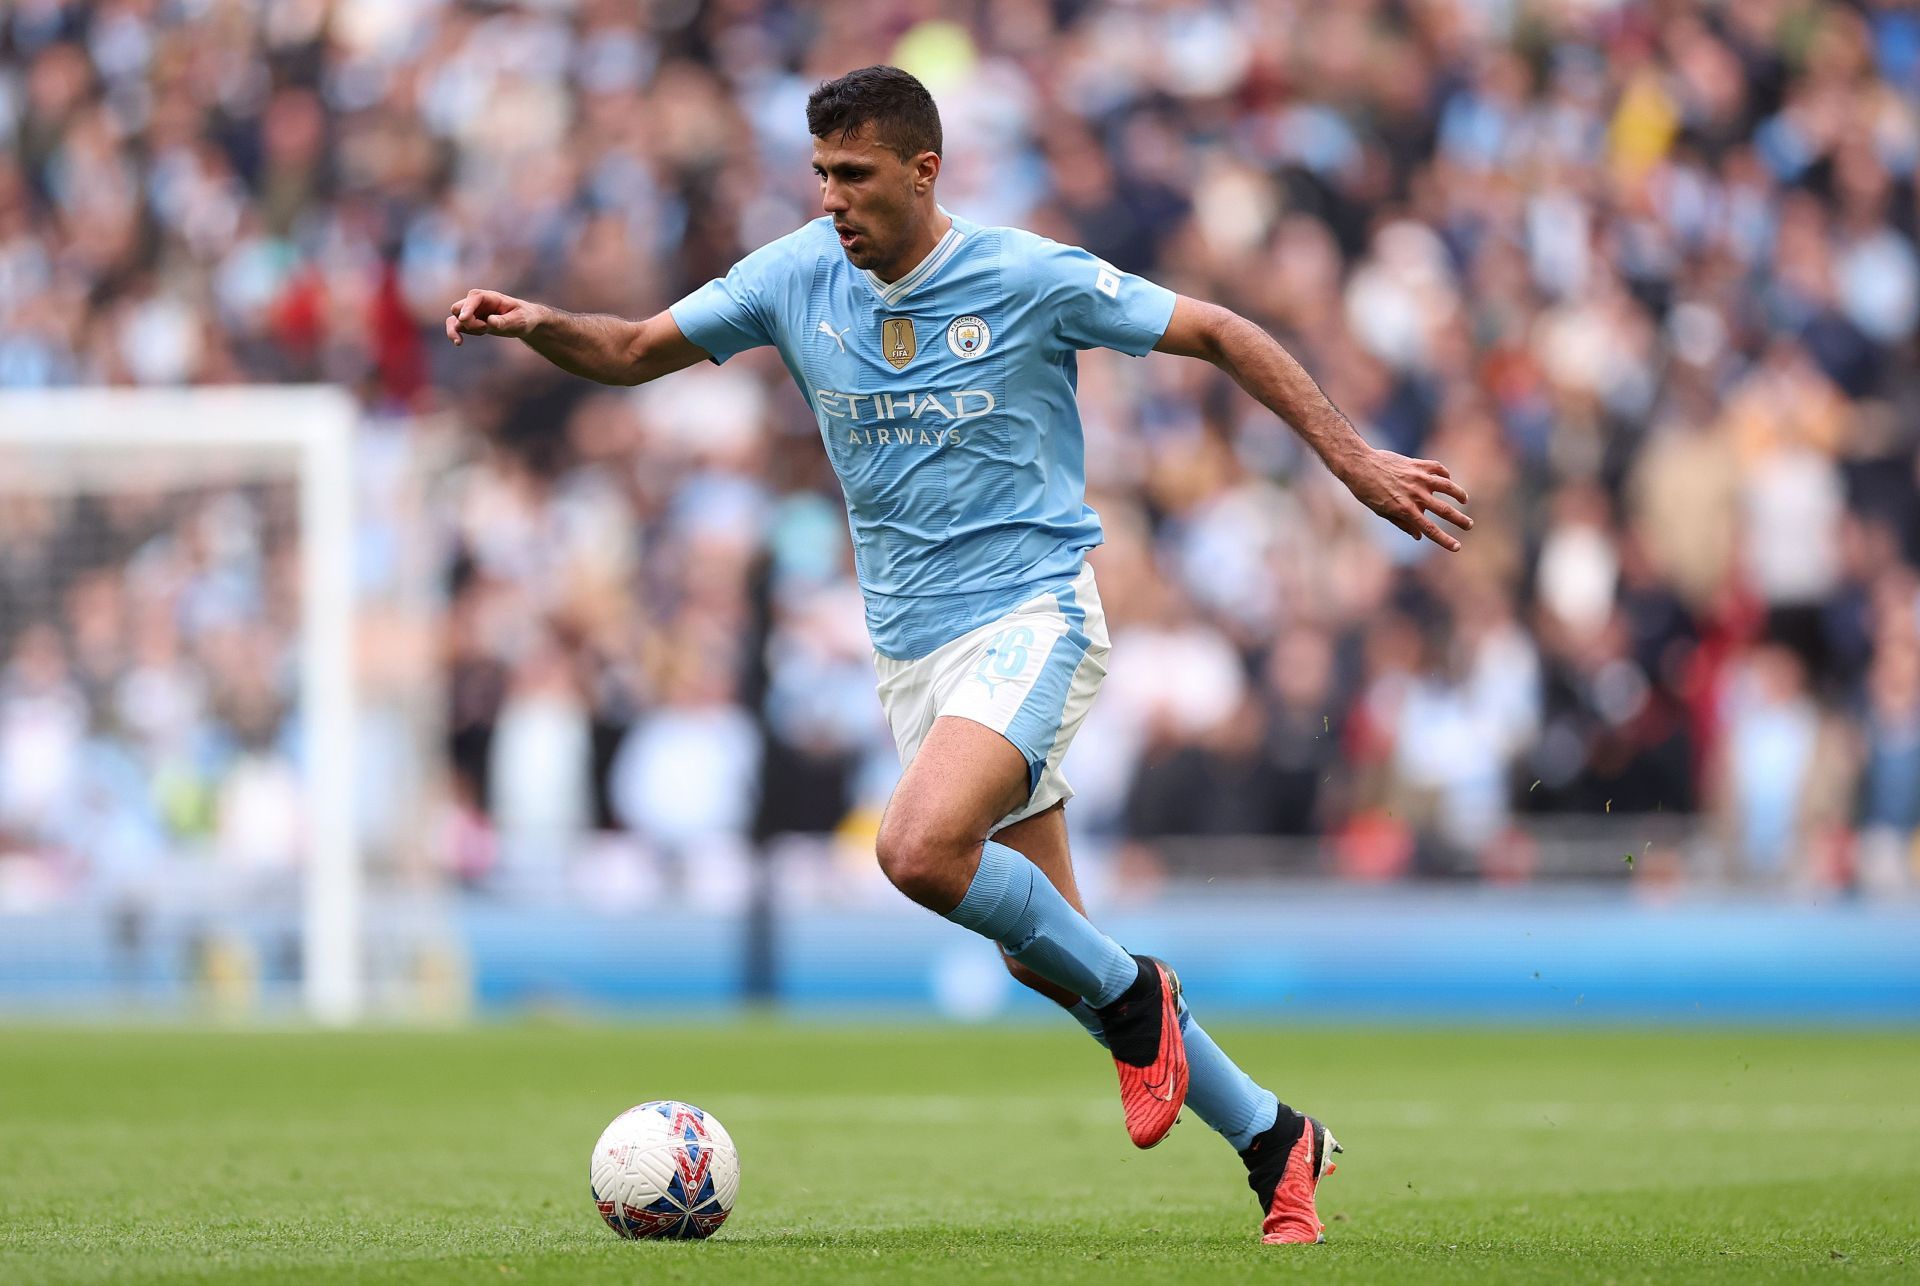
{"x":968,"y":337}
{"x":897,"y":342}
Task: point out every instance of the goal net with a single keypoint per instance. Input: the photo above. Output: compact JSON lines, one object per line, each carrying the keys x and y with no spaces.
{"x":176,"y":702}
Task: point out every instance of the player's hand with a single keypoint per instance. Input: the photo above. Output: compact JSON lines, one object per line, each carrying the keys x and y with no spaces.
{"x":488,"y":312}
{"x":1404,"y":491}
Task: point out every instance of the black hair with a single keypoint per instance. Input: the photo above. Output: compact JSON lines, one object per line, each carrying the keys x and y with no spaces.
{"x":903,"y":114}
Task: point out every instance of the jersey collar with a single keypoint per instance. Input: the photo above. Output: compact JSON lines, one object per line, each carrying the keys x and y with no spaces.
{"x":891,"y":293}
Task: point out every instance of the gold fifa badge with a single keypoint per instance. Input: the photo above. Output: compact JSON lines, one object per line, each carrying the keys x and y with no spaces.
{"x":897,"y":341}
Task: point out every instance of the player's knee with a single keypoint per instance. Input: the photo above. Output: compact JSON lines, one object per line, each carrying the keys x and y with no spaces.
{"x":921,"y":862}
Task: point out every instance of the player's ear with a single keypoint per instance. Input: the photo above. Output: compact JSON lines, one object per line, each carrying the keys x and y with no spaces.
{"x":926,"y":168}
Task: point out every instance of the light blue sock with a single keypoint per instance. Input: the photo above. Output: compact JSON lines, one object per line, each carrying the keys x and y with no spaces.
{"x":1013,"y":903}
{"x":1219,"y":1093}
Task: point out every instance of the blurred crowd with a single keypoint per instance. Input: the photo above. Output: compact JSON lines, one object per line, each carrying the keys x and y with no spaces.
{"x":1644,"y":275}
{"x":146,"y":701}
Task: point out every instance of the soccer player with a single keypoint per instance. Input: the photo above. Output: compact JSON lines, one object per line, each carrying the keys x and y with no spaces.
{"x":937,"y":357}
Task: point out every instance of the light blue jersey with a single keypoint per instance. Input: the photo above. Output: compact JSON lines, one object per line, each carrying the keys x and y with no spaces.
{"x":946,"y":402}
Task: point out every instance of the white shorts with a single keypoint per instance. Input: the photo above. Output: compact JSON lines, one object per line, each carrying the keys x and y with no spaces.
{"x":1031,"y":676}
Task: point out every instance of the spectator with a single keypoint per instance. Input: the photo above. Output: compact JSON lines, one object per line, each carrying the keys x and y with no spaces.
{"x":1644,"y":275}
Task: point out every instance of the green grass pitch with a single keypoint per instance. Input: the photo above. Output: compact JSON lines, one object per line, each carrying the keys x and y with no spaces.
{"x":949,"y":1154}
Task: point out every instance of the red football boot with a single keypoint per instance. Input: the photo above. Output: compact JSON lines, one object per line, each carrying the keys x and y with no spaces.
{"x":1284,"y":1167}
{"x":1143,"y":1031}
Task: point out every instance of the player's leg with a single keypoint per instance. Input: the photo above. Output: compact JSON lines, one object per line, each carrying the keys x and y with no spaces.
{"x":933,"y":846}
{"x":1220,"y":1093}
{"x":1267,"y":1134}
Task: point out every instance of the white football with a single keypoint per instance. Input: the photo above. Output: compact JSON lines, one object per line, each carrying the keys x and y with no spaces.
{"x":664,"y":1170}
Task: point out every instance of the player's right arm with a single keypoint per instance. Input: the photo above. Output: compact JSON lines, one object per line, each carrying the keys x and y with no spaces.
{"x":611,"y":350}
{"x":726,"y":316}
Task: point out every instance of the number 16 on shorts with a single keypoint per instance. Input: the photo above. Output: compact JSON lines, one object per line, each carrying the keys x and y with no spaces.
{"x":1004,"y":659}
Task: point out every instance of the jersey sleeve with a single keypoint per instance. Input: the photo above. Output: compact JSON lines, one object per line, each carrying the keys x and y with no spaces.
{"x":739,"y":311}
{"x":1095,"y":305}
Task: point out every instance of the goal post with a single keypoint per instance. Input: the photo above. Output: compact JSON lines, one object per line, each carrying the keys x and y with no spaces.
{"x":111,"y":441}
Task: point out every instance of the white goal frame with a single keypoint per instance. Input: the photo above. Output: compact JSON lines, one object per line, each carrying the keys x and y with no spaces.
{"x":315,"y":424}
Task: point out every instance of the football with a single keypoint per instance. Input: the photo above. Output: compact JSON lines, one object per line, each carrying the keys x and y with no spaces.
{"x":664,"y":1169}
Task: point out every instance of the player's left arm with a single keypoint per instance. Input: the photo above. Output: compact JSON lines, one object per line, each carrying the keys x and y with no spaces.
{"x":1401,"y":490}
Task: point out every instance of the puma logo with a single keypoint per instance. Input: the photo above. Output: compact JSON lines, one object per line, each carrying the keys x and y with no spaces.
{"x":838,"y":335}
